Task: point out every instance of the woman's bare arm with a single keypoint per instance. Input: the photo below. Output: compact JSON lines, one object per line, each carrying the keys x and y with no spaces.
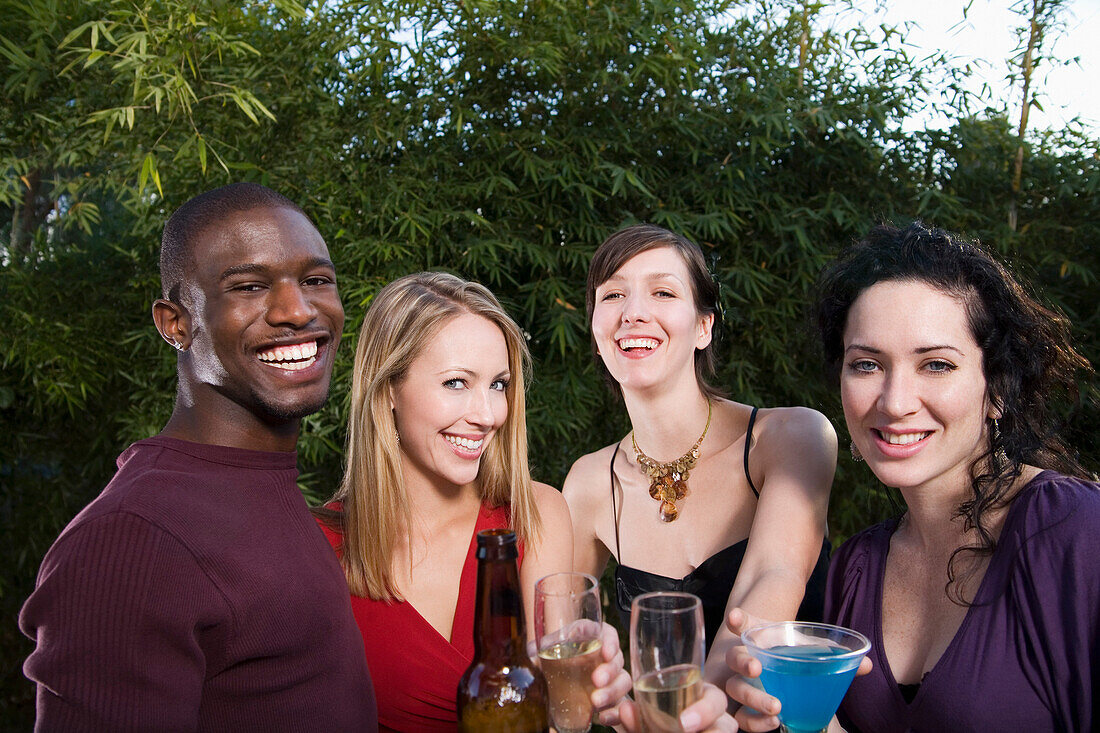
{"x":587,"y":492}
{"x":792,"y":463}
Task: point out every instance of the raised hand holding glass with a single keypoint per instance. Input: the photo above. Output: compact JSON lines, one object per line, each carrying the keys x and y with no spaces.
{"x":808,"y":667}
{"x":667,"y":640}
{"x":567,"y":626}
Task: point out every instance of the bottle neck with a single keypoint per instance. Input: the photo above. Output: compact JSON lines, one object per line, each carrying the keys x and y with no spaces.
{"x":499,"y":625}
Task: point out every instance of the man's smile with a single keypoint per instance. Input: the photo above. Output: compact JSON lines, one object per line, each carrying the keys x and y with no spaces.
{"x":291,"y":357}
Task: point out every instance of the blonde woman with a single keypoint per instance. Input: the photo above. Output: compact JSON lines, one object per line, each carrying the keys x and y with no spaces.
{"x":436,"y":451}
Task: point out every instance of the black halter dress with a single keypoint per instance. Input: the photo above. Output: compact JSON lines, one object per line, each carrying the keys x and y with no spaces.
{"x":713,"y":580}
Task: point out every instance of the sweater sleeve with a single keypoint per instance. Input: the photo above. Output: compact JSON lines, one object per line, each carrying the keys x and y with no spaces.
{"x":121,"y":615}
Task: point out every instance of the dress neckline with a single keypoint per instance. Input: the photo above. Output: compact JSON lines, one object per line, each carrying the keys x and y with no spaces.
{"x":736,"y":548}
{"x":996,"y":560}
{"x":467,"y":586}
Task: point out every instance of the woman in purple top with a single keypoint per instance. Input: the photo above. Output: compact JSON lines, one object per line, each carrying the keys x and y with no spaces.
{"x":982,"y":601}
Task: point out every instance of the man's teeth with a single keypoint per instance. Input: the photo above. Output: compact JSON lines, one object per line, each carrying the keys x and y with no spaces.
{"x":293,"y":366}
{"x":637,"y":343}
{"x":465,"y":442}
{"x":291,"y":358}
{"x":904,"y":438}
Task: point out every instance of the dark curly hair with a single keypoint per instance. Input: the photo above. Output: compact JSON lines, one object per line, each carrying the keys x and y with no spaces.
{"x":624,"y":244}
{"x":1027,"y":356}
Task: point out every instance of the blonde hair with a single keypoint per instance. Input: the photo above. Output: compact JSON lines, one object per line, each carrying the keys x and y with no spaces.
{"x":404,"y":316}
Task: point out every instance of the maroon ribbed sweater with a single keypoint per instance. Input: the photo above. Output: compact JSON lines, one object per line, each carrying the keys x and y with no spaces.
{"x":196,"y":593}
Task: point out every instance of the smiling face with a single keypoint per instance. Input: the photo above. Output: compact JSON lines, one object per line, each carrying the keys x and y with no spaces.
{"x":914,"y":393}
{"x":451,"y":401}
{"x":264,"y":317}
{"x":645,"y":323}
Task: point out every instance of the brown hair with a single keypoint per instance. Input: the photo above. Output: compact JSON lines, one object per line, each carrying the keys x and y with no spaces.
{"x":624,"y":244}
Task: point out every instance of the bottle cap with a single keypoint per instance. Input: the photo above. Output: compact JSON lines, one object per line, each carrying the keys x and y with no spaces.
{"x":500,"y":543}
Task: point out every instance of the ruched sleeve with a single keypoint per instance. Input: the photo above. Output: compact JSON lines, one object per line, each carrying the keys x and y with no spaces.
{"x":1056,"y":591}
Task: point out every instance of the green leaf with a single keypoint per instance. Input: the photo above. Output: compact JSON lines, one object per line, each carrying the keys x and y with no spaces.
{"x":92,"y":57}
{"x":76,"y":33}
{"x":146,"y":170}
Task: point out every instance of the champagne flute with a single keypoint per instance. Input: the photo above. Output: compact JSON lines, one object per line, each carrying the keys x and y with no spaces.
{"x":667,"y":640}
{"x":567,"y":627}
{"x":808,"y":667}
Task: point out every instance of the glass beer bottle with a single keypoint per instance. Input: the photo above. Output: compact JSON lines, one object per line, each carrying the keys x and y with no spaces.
{"x":502,"y":691}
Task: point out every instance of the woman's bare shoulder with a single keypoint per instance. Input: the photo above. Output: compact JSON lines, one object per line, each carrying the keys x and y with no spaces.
{"x":797,"y":425}
{"x":592,"y":463}
{"x":545,"y":493}
{"x":550,"y":502}
{"x":590,"y":475}
{"x":795,"y":443}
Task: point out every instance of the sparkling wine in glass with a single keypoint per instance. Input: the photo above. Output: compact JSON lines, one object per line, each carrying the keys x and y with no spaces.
{"x":807,"y":667}
{"x":567,"y":627}
{"x":666,"y":657}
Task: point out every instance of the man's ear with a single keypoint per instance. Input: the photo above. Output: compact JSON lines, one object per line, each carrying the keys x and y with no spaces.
{"x":173,"y":321}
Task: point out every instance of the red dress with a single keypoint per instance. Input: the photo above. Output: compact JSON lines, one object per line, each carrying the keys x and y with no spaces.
{"x":414,"y":669}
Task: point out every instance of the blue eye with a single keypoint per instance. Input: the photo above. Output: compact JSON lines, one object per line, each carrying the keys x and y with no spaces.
{"x":939,"y":366}
{"x":455,"y":383}
{"x":863,"y":366}
{"x":500,"y":385}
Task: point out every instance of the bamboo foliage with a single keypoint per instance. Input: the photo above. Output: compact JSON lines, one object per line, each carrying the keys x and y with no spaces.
{"x":498,"y":140}
{"x":1039,"y":15}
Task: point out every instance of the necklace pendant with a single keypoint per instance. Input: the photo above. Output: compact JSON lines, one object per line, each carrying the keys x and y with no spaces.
{"x":668,"y":481}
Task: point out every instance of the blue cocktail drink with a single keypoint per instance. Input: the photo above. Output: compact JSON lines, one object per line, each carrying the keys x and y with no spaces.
{"x":808,"y":667}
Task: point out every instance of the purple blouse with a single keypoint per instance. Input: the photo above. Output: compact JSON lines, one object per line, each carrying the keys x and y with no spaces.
{"x":1027,"y":655}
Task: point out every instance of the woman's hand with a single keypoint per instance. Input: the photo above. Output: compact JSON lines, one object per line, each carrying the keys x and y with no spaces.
{"x":614,"y":708}
{"x":612,"y":680}
{"x":706,"y":714}
{"x":744,"y":687}
{"x":756,"y":709}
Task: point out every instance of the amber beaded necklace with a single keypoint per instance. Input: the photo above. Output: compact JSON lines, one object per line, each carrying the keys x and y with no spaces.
{"x":668,"y":481}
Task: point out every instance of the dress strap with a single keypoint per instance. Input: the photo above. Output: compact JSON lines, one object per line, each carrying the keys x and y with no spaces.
{"x":748,"y":443}
{"x":614,"y":507}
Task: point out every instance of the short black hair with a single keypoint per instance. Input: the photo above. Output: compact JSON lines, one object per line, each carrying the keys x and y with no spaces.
{"x":199,"y":213}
